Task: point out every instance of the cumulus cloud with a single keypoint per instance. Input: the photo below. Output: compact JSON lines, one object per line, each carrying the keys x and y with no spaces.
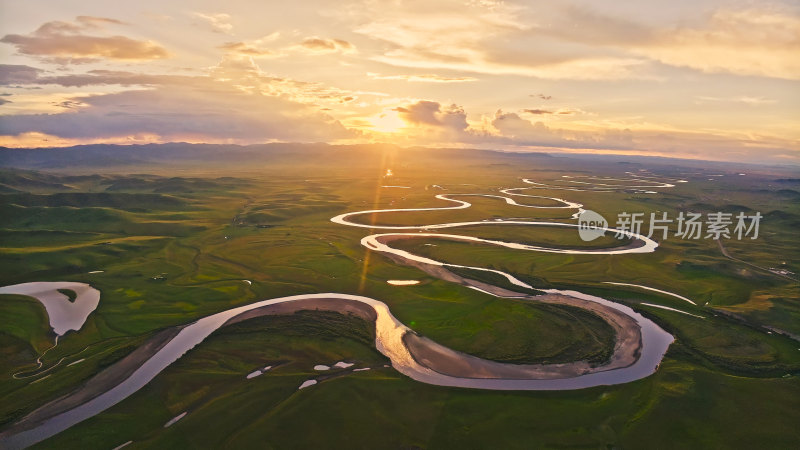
{"x":431,"y":113}
{"x":430,"y":120}
{"x":216,"y":22}
{"x":66,"y":42}
{"x":429,"y":123}
{"x":513,"y":128}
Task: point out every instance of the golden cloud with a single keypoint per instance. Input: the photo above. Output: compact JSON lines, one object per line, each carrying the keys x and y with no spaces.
{"x":66,"y":42}
{"x":743,"y":42}
{"x":424,"y":78}
{"x":320,"y":45}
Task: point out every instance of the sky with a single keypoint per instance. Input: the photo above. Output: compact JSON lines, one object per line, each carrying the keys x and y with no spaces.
{"x":701,"y":79}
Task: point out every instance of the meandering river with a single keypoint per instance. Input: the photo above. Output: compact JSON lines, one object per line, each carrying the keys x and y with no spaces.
{"x":640,"y":346}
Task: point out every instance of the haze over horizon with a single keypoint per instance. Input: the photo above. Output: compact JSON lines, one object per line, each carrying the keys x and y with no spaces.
{"x":705,"y":79}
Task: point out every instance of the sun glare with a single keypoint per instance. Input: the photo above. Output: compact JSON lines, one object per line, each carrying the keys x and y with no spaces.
{"x":387,"y":122}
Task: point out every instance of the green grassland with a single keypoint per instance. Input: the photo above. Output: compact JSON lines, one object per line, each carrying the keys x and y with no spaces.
{"x":173,"y":249}
{"x":682,"y":405}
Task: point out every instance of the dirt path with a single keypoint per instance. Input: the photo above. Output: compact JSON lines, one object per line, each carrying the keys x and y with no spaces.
{"x":727,"y":255}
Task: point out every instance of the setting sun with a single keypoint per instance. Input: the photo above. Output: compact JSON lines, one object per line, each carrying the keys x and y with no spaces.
{"x":387,"y":122}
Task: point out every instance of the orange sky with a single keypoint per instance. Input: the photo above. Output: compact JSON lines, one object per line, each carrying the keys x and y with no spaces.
{"x":697,"y":79}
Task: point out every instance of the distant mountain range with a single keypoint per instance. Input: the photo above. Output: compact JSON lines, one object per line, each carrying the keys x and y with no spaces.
{"x":181,"y":154}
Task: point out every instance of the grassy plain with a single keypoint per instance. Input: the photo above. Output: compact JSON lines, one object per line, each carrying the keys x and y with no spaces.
{"x":176,"y":248}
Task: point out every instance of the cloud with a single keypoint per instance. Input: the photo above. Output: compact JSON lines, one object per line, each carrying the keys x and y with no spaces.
{"x":554,"y":41}
{"x":757,"y":41}
{"x":98,"y":22}
{"x":320,"y":45}
{"x":100,"y":77}
{"x":242,"y":48}
{"x":65,"y":42}
{"x":514,"y":132}
{"x":234,"y":71}
{"x":234,"y":102}
{"x":743,"y":42}
{"x":177,"y":112}
{"x":243,"y":73}
{"x":12,"y":74}
{"x":515,"y":129}
{"x":258,"y":48}
{"x":70,"y":104}
{"x":584,"y":25}
{"x":217,"y":22}
{"x":429,"y":123}
{"x":744,"y":99}
{"x":433,"y":114}
{"x":425,"y":78}
{"x":605,"y":68}
{"x":537,"y":111}
{"x":433,"y":47}
{"x":486,"y":38}
{"x":560,"y":111}
{"x":26,"y":75}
